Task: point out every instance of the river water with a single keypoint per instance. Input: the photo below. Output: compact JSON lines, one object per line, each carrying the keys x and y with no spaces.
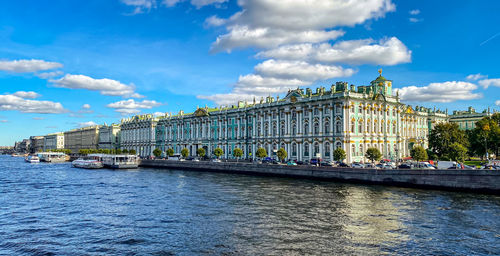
{"x":53,"y":209}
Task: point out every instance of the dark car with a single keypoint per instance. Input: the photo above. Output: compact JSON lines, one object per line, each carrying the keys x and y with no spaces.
{"x":299,"y":162}
{"x":342,"y":164}
{"x":325,"y":164}
{"x":267,"y":160}
{"x":404,"y":166}
{"x":315,"y":161}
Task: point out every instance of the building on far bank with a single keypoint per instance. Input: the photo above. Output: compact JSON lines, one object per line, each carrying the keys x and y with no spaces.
{"x":109,"y":136}
{"x":467,"y":119}
{"x":82,"y":138}
{"x":138,"y":133}
{"x":53,"y":141}
{"x":36,"y":144}
{"x":306,"y":124}
{"x":22,"y":146}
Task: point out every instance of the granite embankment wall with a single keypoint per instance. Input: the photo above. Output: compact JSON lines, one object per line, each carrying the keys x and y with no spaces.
{"x":486,"y":181}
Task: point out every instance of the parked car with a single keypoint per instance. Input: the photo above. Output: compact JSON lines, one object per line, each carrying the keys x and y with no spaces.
{"x":379,"y":166}
{"x":368,"y":165}
{"x":404,"y":166}
{"x":267,"y":160}
{"x":291,"y":163}
{"x":357,"y":165}
{"x":342,"y":164}
{"x":315,"y":161}
{"x":325,"y":163}
{"x":299,"y":162}
{"x":425,"y":165}
{"x":388,"y":166}
{"x":216,"y":160}
{"x":446,"y":164}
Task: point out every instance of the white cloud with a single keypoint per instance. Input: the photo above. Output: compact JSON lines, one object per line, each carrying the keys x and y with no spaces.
{"x":201,"y":3}
{"x":27,"y":66}
{"x":440,"y":92}
{"x":490,"y":82}
{"x":414,"y":20}
{"x":131,"y":106}
{"x":300,"y":70}
{"x":38,"y":118}
{"x":475,"y":77}
{"x":86,"y":124}
{"x":27,"y":95}
{"x":46,"y":75}
{"x":244,"y":37}
{"x":270,"y":23}
{"x":86,"y":106}
{"x":415,"y":12}
{"x":214,"y":21}
{"x":158,"y":113}
{"x":104,"y":86}
{"x":140,"y":5}
{"x":16,"y":103}
{"x":389,"y":51}
{"x":497,"y":102}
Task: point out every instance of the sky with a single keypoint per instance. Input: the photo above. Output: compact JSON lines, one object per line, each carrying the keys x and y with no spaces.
{"x":69,"y":64}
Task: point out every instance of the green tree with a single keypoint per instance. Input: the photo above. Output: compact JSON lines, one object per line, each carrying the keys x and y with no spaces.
{"x":339,"y":154}
{"x":486,"y":136}
{"x":282,"y":154}
{"x":418,"y":153}
{"x":106,"y":151}
{"x":218,"y":152}
{"x":261,"y":153}
{"x":458,"y":152}
{"x":237,"y":152}
{"x":185,"y":152}
{"x":170,"y":152}
{"x":442,"y":136}
{"x":83,"y":152}
{"x":118,"y":151}
{"x":373,"y":154}
{"x":125,"y":151}
{"x":157,"y":152}
{"x":201,"y":152}
{"x":132,"y":152}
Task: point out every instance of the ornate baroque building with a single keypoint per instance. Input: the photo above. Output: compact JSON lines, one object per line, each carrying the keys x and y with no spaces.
{"x":138,"y":133}
{"x":304,"y":123}
{"x":467,"y":119}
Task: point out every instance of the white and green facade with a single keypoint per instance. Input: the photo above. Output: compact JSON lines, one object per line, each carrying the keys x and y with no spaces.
{"x":305,"y":124}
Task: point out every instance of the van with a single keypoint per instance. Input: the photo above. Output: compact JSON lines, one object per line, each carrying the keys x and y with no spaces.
{"x":446,"y":164}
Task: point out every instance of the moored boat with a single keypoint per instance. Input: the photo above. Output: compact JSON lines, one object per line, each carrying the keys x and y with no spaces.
{"x":87,"y":163}
{"x":118,"y":161}
{"x":53,"y":157}
{"x":32,"y":159}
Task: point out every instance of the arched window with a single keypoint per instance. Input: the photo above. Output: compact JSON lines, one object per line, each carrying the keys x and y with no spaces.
{"x":327,"y":127}
{"x":327,"y":149}
{"x":375,"y":127}
{"x":353,"y":148}
{"x":360,"y":126}
{"x":306,"y":149}
{"x":294,"y":128}
{"x":338,"y":144}
{"x":368,"y":126}
{"x":275,"y":130}
{"x":266,"y":130}
{"x":282,"y":128}
{"x":360,"y":109}
{"x":338,"y":127}
{"x":394,"y":129}
{"x":353,"y":126}
{"x":316,"y":111}
{"x":316,"y":128}
{"x":306,"y":128}
{"x":294,"y":149}
{"x":316,"y":148}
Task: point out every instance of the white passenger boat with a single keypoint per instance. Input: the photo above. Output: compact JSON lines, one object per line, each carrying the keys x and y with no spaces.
{"x":32,"y":159}
{"x":53,"y":157}
{"x":87,"y":163}
{"x":118,"y":161}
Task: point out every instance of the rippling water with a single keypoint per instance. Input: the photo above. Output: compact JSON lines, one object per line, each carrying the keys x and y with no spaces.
{"x":53,"y":209}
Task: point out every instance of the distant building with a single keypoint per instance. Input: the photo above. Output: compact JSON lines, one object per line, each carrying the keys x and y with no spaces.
{"x":138,"y":133}
{"x":23,"y":146}
{"x":36,"y":144}
{"x":306,"y":124}
{"x":109,"y":136}
{"x":53,"y":141}
{"x":82,"y":138}
{"x":466,"y":120}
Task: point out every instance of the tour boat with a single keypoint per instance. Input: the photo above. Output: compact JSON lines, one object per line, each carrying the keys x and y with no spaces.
{"x":53,"y":157}
{"x":87,"y":163}
{"x":32,"y":159}
{"x":118,"y":161}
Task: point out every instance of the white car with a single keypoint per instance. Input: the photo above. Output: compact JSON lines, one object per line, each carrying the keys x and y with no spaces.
{"x":216,"y":160}
{"x":357,"y":165}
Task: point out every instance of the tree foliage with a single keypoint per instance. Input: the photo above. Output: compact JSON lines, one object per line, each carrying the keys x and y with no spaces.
{"x":185,"y":152}
{"x":218,"y":152}
{"x":339,"y":154}
{"x":170,"y":152}
{"x":200,"y":152}
{"x":485,"y":137}
{"x":157,"y":152}
{"x":373,"y":154}
{"x":458,"y":152}
{"x":261,"y":153}
{"x":442,"y":136}
{"x":237,"y":152}
{"x":132,"y":152}
{"x":282,"y":154}
{"x":418,"y":153}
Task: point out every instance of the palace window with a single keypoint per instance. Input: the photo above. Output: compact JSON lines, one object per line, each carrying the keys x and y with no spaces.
{"x":327,"y":127}
{"x":338,"y":109}
{"x":338,"y":145}
{"x":316,"y":111}
{"x":353,"y":126}
{"x":294,"y":114}
{"x":306,"y":128}
{"x":352,"y":108}
{"x":360,"y":110}
{"x":338,"y":127}
{"x":282,"y":129}
{"x":327,"y":149}
{"x":327,"y":110}
{"x":316,"y":149}
{"x":353,"y":148}
{"x":266,"y":130}
{"x":361,"y":149}
{"x":360,"y":126}
{"x":294,"y":128}
{"x":316,"y":128}
{"x":306,"y":149}
{"x":294,"y":149}
{"x":275,"y":130}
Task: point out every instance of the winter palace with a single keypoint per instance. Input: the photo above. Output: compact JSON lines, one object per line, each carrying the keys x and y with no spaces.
{"x":306,"y":124}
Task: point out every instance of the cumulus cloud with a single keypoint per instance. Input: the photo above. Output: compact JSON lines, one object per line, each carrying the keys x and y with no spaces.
{"x":269,"y":23}
{"x":27,"y":95}
{"x":104,"y":86}
{"x":440,"y":92}
{"x":389,"y":51}
{"x":497,"y":102}
{"x":214,"y":21}
{"x":86,"y":106}
{"x":131,"y":106}
{"x":490,"y":82}
{"x":414,"y":20}
{"x":475,"y":77}
{"x":16,"y":103}
{"x":47,"y":75}
{"x":300,"y":70}
{"x":86,"y":124}
{"x":27,"y":66}
{"x":415,"y":12}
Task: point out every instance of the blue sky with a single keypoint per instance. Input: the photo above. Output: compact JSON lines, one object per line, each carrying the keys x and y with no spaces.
{"x":73,"y":63}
